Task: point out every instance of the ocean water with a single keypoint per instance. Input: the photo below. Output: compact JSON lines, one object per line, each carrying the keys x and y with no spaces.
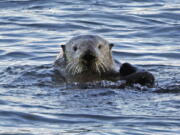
{"x":145,"y":33}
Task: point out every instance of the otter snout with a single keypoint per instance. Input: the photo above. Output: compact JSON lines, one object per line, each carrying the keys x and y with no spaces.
{"x":88,"y":56}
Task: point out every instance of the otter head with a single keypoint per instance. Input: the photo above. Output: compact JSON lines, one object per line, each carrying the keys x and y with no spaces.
{"x":87,"y":53}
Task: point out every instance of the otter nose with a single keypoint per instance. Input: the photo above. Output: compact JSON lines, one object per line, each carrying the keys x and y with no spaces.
{"x":88,"y":56}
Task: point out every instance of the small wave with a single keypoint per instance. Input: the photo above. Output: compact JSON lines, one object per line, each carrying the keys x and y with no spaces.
{"x":24,"y":117}
{"x":166,"y":55}
{"x":55,"y":27}
{"x":16,"y":55}
{"x":9,"y":40}
{"x":24,"y":76}
{"x":18,"y":3}
{"x":169,"y":89}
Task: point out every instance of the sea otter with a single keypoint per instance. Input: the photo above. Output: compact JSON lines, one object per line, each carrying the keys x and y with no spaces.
{"x":88,"y":58}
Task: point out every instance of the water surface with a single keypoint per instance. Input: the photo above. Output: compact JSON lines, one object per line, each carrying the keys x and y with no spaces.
{"x":145,"y":33}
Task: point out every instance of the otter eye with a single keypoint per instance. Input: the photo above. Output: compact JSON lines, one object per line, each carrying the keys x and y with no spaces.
{"x":100,"y":46}
{"x":75,"y":48}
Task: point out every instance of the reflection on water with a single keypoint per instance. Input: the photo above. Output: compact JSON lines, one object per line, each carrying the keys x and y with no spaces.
{"x":145,"y":33}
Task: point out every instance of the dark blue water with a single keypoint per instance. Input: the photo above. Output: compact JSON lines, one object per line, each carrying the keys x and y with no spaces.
{"x":145,"y":33}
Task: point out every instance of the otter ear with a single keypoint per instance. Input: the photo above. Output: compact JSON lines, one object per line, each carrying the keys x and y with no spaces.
{"x":111,"y":45}
{"x":63,"y":47}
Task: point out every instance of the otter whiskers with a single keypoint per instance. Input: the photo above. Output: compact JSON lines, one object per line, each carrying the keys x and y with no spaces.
{"x":97,"y":68}
{"x":76,"y":67}
{"x":70,"y":66}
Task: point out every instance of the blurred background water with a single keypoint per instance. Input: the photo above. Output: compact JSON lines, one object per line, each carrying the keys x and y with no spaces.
{"x":145,"y":33}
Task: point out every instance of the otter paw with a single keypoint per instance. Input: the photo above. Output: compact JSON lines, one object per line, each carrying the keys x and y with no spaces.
{"x":127,"y":69}
{"x":142,"y":77}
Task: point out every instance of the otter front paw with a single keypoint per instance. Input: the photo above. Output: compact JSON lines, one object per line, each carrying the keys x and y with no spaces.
{"x":142,"y":77}
{"x":127,"y":69}
{"x":133,"y":75}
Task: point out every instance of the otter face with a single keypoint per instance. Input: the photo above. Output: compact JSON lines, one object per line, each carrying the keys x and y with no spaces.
{"x":88,"y":53}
